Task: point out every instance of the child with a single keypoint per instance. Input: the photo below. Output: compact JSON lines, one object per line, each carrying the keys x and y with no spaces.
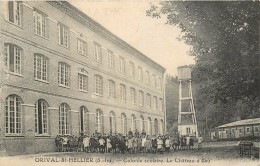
{"x":86,"y":143}
{"x":143,"y":143}
{"x":167,"y":144}
{"x":109,"y":146}
{"x":159,"y":144}
{"x":101,"y":144}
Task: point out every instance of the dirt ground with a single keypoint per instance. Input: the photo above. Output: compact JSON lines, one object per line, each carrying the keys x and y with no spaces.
{"x":212,"y":153}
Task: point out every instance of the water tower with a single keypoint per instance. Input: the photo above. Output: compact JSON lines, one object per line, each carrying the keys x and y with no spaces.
{"x":187,"y":124}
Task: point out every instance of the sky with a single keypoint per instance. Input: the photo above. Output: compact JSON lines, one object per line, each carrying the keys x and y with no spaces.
{"x":127,"y":19}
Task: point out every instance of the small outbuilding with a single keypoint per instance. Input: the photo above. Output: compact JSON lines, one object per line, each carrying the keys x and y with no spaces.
{"x":239,"y":129}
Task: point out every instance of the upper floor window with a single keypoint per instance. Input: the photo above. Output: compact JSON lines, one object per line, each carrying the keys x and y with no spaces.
{"x":154,"y":81}
{"x":15,"y":12}
{"x":83,"y":82}
{"x":132,"y":96}
{"x":63,"y":74}
{"x":82,"y":47}
{"x":147,"y":77}
{"x":40,"y":67}
{"x":132,"y":69}
{"x":155,"y":103}
{"x":140,"y":73}
{"x":98,"y":53}
{"x":13,"y":115}
{"x":141,"y":98}
{"x":122,"y":92}
{"x":41,"y":117}
{"x":13,"y":57}
{"x":111,"y":89}
{"x":159,"y":83}
{"x":110,"y":56}
{"x":63,"y":35}
{"x":148,"y":100}
{"x":40,"y":23}
{"x":160,"y":104}
{"x":122,"y":64}
{"x":98,"y":85}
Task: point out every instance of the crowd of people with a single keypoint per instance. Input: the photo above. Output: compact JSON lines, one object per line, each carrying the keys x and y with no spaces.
{"x":117,"y":143}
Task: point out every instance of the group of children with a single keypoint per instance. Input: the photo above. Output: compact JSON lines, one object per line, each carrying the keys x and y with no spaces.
{"x":118,"y":143}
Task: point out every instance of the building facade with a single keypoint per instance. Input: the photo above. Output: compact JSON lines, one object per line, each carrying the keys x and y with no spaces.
{"x":63,"y":73}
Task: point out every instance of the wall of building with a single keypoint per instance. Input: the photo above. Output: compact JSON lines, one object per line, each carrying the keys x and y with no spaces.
{"x":30,"y":90}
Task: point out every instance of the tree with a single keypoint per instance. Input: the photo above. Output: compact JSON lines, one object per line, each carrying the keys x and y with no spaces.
{"x":225,"y":41}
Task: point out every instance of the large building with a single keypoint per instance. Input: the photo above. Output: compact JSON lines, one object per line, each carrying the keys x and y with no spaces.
{"x":63,"y":73}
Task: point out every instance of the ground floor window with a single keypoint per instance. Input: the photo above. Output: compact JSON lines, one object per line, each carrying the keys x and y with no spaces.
{"x":13,"y":116}
{"x":64,"y":119}
{"x":84,"y":120}
{"x":41,"y":117}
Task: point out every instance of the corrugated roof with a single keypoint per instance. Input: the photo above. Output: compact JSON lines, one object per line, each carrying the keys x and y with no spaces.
{"x":241,"y":123}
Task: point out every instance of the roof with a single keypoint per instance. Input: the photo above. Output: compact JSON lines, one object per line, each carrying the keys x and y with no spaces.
{"x":78,"y":15}
{"x":241,"y":123}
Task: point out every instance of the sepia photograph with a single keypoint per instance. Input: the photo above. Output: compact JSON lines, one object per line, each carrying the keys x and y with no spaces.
{"x":129,"y":82}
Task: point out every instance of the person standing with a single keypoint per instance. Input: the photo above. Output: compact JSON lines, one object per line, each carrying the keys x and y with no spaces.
{"x":200,"y":139}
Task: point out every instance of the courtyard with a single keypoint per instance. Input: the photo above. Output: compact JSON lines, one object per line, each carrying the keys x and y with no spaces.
{"x":212,"y":153}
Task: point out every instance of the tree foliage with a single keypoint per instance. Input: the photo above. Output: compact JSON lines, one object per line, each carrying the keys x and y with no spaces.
{"x":225,"y":42}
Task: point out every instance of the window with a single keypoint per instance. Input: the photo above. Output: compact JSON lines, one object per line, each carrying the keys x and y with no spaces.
{"x":64,"y":119}
{"x":247,"y":129}
{"x":122,"y":92}
{"x":84,"y":120}
{"x":155,"y":106}
{"x":155,"y":126}
{"x":123,"y":124}
{"x":97,"y":53}
{"x":122,"y":64}
{"x":63,"y":74}
{"x":160,"y":104}
{"x":83,"y":82}
{"x":141,"y":98}
{"x":111,"y":89}
{"x":187,"y":130}
{"x":159,"y":83}
{"x":149,"y":126}
{"x":99,"y":121}
{"x":40,"y":67}
{"x":13,"y":57}
{"x":142,"y":127}
{"x":110,"y":56}
{"x":63,"y":35}
{"x":132,"y":96}
{"x":132,"y":69}
{"x":154,"y":81}
{"x":82,"y":47}
{"x":148,"y":77}
{"x":148,"y":100}
{"x":98,"y":85}
{"x":40,"y":23}
{"x":256,"y":129}
{"x":133,"y":122}
{"x":161,"y":127}
{"x":112,"y":120}
{"x":240,"y":130}
{"x":15,"y":12}
{"x":140,"y":73}
{"x":41,"y":117}
{"x":13,"y":115}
